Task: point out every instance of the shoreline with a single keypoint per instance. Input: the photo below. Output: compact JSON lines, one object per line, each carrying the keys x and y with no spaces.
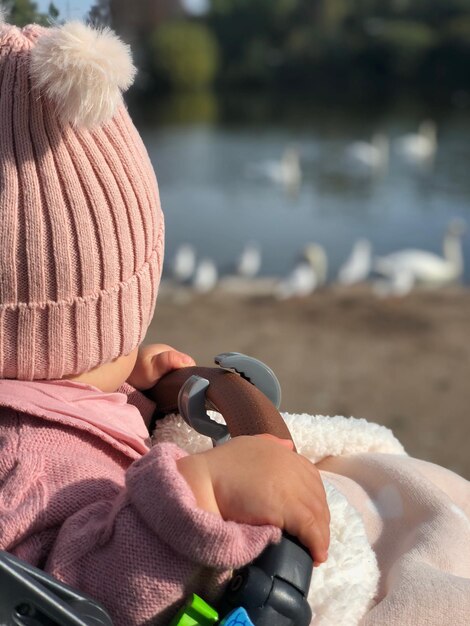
{"x":400,"y":362}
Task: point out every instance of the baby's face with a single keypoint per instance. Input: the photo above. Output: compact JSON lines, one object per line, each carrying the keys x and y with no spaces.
{"x":110,"y":376}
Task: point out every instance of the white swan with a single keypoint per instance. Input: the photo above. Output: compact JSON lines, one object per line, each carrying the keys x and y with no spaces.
{"x":206,"y":276}
{"x":287,"y":171}
{"x":308,"y":274}
{"x":373,"y":155}
{"x":249,"y":261}
{"x":421,"y":146}
{"x":183,"y":263}
{"x":398,"y":285}
{"x":426,"y":267}
{"x":358,"y":265}
{"x":315,"y":254}
{"x":301,"y":282}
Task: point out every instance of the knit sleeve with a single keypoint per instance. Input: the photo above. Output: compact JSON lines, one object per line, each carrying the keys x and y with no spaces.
{"x":144,"y":551}
{"x":171,"y":510}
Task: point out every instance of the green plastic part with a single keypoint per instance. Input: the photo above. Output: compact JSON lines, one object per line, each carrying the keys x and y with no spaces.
{"x":196,"y":612}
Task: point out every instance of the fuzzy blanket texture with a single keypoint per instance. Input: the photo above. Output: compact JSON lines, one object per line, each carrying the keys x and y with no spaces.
{"x":400,"y":527}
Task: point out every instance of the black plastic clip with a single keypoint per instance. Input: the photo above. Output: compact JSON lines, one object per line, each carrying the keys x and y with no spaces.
{"x":273,"y":589}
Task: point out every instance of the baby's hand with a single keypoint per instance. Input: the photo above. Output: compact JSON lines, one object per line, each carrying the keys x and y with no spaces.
{"x":257,"y":481}
{"x":155,"y":361}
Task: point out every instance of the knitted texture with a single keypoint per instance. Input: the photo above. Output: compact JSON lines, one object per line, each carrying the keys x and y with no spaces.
{"x":81,"y":228}
{"x":122,"y":527}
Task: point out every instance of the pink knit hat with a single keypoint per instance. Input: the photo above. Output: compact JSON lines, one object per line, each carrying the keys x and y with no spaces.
{"x":81,"y":229}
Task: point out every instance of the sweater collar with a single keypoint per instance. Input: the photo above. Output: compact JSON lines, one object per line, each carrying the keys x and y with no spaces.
{"x":78,"y":404}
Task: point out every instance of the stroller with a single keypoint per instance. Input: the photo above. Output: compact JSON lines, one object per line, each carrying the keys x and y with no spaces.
{"x":270,"y":591}
{"x":399,"y":549}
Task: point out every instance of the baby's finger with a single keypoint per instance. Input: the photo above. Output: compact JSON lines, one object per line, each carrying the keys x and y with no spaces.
{"x":313,"y":496}
{"x":321,"y":514}
{"x":308,"y":531}
{"x":153,"y":362}
{"x":170,"y":360}
{"x":311,"y":507}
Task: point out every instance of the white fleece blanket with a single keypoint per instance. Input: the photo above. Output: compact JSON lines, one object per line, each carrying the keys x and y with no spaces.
{"x":400,"y":528}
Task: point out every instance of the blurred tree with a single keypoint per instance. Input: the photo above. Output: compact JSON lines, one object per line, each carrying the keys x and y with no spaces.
{"x":184,"y":55}
{"x":53,"y":12}
{"x":135,"y":24}
{"x":446,"y":67}
{"x":312,"y":43}
{"x":334,"y":13}
{"x":251,"y":34}
{"x":100,"y":13}
{"x":22,"y":12}
{"x":408,"y":43}
{"x":288,"y":44}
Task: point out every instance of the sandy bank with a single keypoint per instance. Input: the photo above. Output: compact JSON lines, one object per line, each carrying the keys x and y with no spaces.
{"x":404,"y":363}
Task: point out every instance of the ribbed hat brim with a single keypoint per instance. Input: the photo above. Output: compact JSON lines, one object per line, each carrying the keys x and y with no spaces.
{"x":61,"y":339}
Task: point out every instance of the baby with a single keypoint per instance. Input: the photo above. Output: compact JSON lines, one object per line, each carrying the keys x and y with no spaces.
{"x":82,"y":495}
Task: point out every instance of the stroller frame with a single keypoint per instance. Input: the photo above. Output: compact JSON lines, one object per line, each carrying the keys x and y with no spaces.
{"x":30,"y":597}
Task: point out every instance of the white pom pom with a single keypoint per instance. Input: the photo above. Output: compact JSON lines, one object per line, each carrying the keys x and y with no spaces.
{"x":83,"y":71}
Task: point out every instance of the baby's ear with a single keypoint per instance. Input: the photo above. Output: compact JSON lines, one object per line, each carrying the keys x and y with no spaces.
{"x":83,"y":71}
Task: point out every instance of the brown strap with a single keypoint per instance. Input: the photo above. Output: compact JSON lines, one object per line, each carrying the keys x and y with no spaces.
{"x":245,"y":409}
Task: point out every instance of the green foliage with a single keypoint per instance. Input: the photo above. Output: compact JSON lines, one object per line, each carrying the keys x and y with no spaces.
{"x":458,"y":30}
{"x":249,"y":33}
{"x":23,"y":12}
{"x":302,"y":42}
{"x":184,"y":55}
{"x":407,"y":43}
{"x":335,"y":12}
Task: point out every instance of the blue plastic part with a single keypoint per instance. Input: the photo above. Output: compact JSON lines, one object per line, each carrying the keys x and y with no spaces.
{"x":237,"y":617}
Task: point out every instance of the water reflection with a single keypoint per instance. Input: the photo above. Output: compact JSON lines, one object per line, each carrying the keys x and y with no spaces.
{"x":196,"y":107}
{"x":202,"y":150}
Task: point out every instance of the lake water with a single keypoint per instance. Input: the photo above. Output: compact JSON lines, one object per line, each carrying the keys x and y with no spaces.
{"x":216,"y":198}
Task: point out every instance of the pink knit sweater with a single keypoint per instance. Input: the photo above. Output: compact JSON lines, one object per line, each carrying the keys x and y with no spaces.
{"x":83,"y":497}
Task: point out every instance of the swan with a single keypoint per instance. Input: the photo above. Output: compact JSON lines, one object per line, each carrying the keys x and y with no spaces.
{"x":287,"y":171}
{"x":307,"y":275}
{"x":421,"y":146}
{"x":183,"y":263}
{"x":249,"y":261}
{"x":315,"y":254}
{"x":398,"y":285}
{"x":358,"y":265}
{"x":426,"y":267}
{"x":244,"y":280}
{"x":205,"y":276}
{"x":301,"y":282}
{"x":373,"y":155}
